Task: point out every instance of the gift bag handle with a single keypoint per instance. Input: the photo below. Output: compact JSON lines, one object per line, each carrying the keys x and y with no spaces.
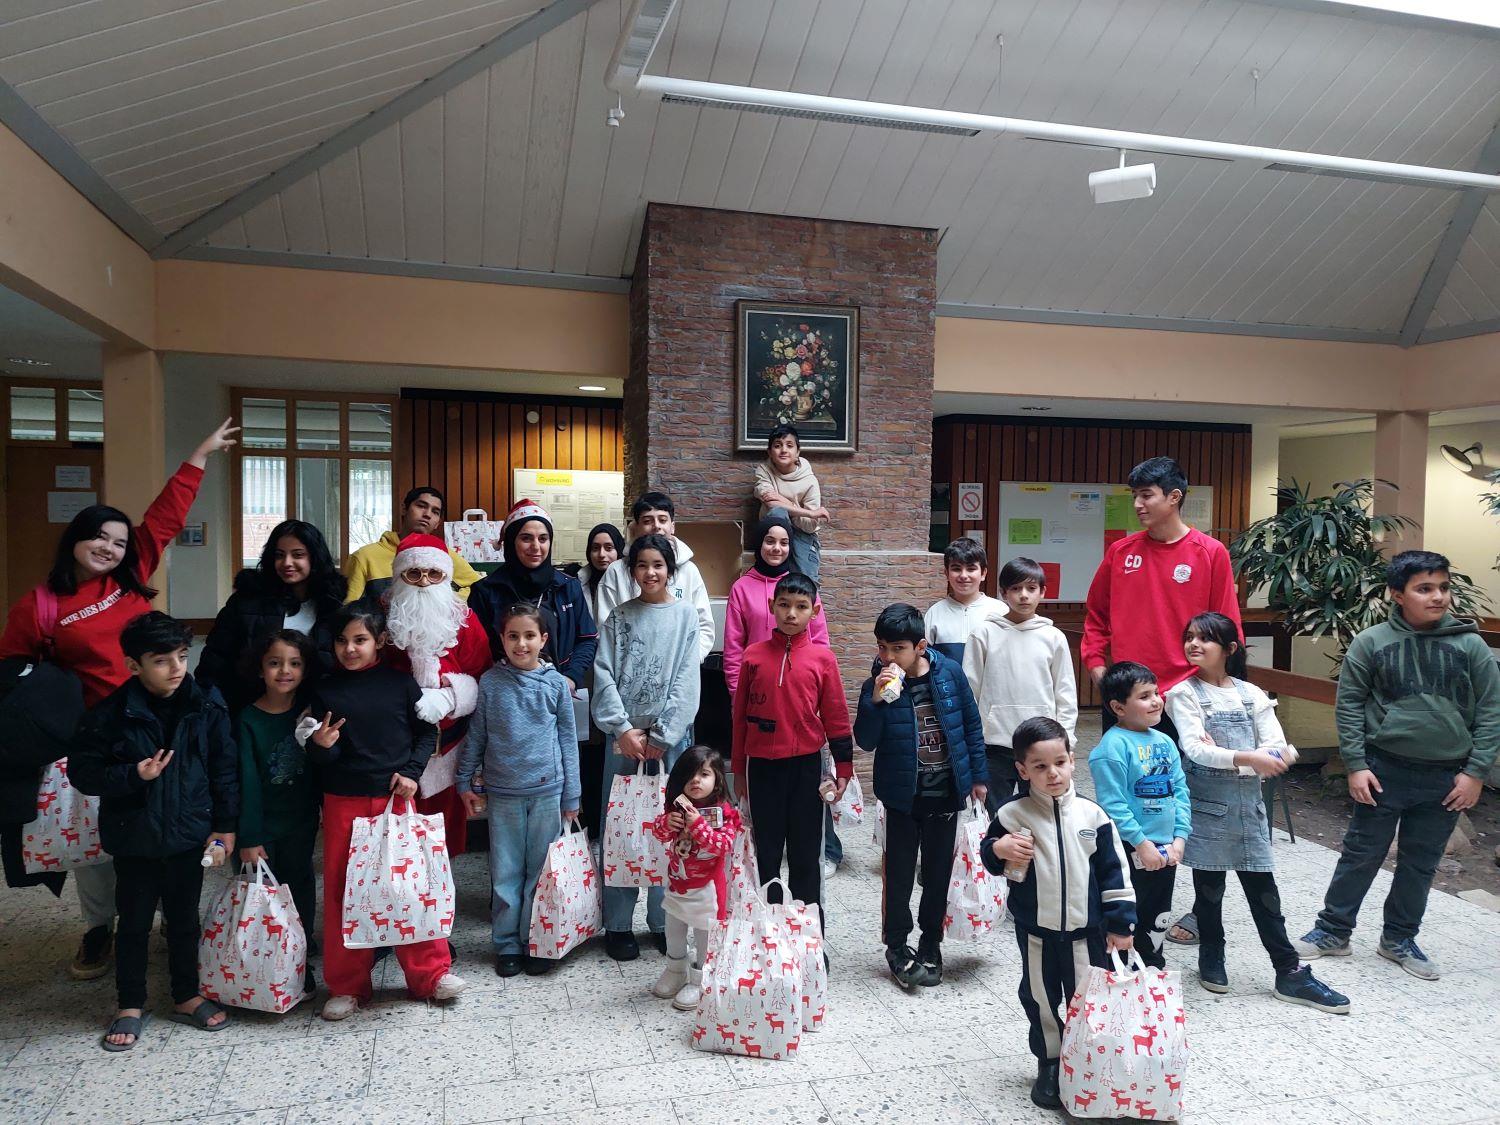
{"x":480,"y":512}
{"x":262,"y":875}
{"x":1131,"y":966}
{"x":570,"y":828}
{"x":976,"y":810}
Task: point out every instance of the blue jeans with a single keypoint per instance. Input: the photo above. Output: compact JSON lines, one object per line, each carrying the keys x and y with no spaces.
{"x":833,"y":847}
{"x":619,"y":902}
{"x":807,"y":552}
{"x":521,"y":831}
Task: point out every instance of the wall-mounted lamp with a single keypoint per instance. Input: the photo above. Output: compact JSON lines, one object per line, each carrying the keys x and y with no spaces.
{"x":1465,"y":460}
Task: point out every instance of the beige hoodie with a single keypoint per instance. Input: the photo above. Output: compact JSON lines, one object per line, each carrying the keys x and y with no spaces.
{"x":799,"y":486}
{"x":1018,"y":672}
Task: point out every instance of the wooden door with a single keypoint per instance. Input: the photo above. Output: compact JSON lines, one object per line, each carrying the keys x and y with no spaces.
{"x":37,"y":509}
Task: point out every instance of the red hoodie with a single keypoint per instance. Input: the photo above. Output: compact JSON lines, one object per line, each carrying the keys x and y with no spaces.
{"x":704,"y":864}
{"x":1144,"y":594}
{"x":790,"y":701}
{"x":90,"y":621}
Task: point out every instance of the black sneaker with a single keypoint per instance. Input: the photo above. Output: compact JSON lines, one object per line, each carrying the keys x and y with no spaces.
{"x":508,"y":965}
{"x":1301,"y":987}
{"x":1211,"y":972}
{"x":94,"y":954}
{"x":537,"y":966}
{"x":621,"y":945}
{"x":1044,"y":1091}
{"x":930,"y":956}
{"x":905,"y":967}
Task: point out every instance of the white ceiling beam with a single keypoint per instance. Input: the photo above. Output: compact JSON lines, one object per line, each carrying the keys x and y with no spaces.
{"x":508,"y":42}
{"x":1162,"y":323}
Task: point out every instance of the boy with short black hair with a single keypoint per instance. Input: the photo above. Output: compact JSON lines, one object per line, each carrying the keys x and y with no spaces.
{"x":160,"y":755}
{"x":1139,"y":780}
{"x":1019,"y":666}
{"x":789,"y":703}
{"x":369,"y":569}
{"x":655,"y":514}
{"x":929,"y":758}
{"x":1074,"y":901}
{"x":948,"y":623}
{"x":785,"y":485}
{"x":1418,"y":714}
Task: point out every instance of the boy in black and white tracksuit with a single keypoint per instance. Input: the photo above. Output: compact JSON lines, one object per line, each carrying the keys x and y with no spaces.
{"x":1075,"y":900}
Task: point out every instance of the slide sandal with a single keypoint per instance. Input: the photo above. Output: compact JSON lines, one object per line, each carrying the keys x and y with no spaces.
{"x":123,"y":1025}
{"x":1188,"y":925}
{"x":200,"y":1016}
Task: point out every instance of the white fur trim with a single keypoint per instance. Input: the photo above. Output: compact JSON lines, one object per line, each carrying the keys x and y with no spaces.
{"x":428,"y":557}
{"x":465,"y":693}
{"x":526,"y":510}
{"x":435,"y":705}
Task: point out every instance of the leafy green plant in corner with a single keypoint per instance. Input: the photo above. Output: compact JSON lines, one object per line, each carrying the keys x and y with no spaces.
{"x":1491,"y":502}
{"x":1320,"y":563}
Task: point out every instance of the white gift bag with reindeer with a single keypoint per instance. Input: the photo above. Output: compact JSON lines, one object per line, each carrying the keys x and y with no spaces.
{"x":568,"y":907}
{"x":752,"y":986}
{"x":850,"y":808}
{"x":804,"y":929}
{"x":398,"y":885}
{"x":976,"y":899}
{"x":477,"y":540}
{"x":253,"y":953}
{"x":65,"y":833}
{"x":632,"y":855}
{"x":742,"y":879}
{"x":1124,"y":1046}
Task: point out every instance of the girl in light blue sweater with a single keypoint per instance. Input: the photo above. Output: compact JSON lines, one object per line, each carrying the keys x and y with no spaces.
{"x":522,"y":733}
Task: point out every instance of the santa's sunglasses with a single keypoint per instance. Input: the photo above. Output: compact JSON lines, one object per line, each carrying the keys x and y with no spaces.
{"x":423,"y":576}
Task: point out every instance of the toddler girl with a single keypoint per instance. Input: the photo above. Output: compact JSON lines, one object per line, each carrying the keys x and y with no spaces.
{"x":698,"y":826}
{"x":1230,"y":739}
{"x":279,"y":794}
{"x":368,"y":744}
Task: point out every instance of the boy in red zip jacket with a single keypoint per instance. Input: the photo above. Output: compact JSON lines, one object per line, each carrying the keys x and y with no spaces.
{"x":789,"y":703}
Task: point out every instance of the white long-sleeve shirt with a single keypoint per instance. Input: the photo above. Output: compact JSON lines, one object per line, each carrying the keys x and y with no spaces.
{"x":1188,"y":715}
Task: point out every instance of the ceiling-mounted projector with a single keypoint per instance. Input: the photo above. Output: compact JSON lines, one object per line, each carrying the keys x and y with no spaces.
{"x":1134,"y":181}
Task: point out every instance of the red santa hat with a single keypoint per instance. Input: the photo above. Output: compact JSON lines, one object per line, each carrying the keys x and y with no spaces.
{"x":524,"y":510}
{"x":426,"y":551}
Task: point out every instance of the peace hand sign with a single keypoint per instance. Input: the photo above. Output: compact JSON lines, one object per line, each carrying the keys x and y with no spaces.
{"x":150,"y":768}
{"x":327,"y":734}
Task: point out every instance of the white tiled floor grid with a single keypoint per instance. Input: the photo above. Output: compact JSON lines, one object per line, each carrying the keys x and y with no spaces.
{"x":589,"y":1043}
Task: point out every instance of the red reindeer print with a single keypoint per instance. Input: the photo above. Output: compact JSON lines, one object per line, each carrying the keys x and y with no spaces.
{"x":379,"y":920}
{"x":47,"y":859}
{"x":247,"y":994}
{"x":947,"y":921}
{"x":70,"y":835}
{"x":246,"y":923}
{"x":653,"y":878}
{"x":725,"y":1033}
{"x":1067,"y":1068}
{"x":633,"y":868}
{"x":1083,"y":1101}
{"x":546,"y":923}
{"x":273,"y":929}
{"x":1180,"y":1019}
{"x":446,"y":921}
{"x":1145,"y":1040}
{"x":1118,"y":1050}
{"x":213,"y":931}
{"x":788,"y":966}
{"x":818,"y":1015}
{"x":698,"y":1033}
{"x":1174,"y":1083}
{"x":976,"y":921}
{"x":1159,"y":997}
{"x":533,"y":948}
{"x":229,"y":978}
{"x":748,"y":983}
{"x":1145,"y":1111}
{"x":349,"y":930}
{"x":406,"y":929}
{"x":609,"y":873}
{"x":429,"y":902}
{"x":752,"y":1048}
{"x":769,"y":943}
{"x":583,"y":931}
{"x":1122,"y":1098}
{"x":277,"y":991}
{"x":45,"y":801}
{"x":774,"y":1023}
{"x":95,"y":852}
{"x":588,"y":877}
{"x":438,"y":847}
{"x":401,"y":868}
{"x":419,"y":832}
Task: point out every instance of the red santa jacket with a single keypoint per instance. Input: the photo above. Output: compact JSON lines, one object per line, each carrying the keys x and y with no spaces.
{"x":459,"y":668}
{"x":705,"y":863}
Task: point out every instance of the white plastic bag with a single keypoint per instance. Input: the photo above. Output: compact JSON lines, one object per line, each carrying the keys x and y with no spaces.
{"x":253,"y":953}
{"x":568,"y":907}
{"x":879,"y":830}
{"x":752,"y":986}
{"x":477,"y":540}
{"x":65,"y":833}
{"x":742,"y":879}
{"x":1124,"y":1046}
{"x":850,"y":808}
{"x":632,"y":855}
{"x":398,"y":886}
{"x":976,"y":899}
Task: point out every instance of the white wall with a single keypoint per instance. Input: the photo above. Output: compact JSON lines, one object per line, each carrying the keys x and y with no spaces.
{"x":199,"y":578}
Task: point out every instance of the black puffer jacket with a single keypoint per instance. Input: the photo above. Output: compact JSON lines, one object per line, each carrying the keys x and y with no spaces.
{"x":197,"y":794}
{"x":256,"y":609}
{"x":40,"y":708}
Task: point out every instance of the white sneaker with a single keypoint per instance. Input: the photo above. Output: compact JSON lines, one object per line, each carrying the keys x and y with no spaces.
{"x":449,"y":986}
{"x":829,"y":868}
{"x":672,"y":979}
{"x":340,"y":1007}
{"x":690,"y":993}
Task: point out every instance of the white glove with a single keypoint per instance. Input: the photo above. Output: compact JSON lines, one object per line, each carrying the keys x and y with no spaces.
{"x":306,"y":727}
{"x":435,"y":705}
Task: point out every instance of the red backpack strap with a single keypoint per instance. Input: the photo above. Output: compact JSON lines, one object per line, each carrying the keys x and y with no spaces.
{"x":46,"y":616}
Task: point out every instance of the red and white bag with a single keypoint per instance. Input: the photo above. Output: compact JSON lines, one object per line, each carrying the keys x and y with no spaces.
{"x":253,"y":953}
{"x":1124,"y":1046}
{"x":477,"y":540}
{"x":752,"y":986}
{"x":398,"y":886}
{"x":65,"y":833}
{"x":976,"y":899}
{"x":804,"y":931}
{"x":632,"y":855}
{"x":850,"y":807}
{"x":742,"y":879}
{"x":879,"y":830}
{"x":568,"y":907}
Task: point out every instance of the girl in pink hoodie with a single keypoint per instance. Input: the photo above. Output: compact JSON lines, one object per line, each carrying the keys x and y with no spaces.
{"x":747,"y":618}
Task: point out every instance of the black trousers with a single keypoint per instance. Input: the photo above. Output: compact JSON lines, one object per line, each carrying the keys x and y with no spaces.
{"x":1053,"y":965}
{"x":591,"y":778}
{"x":1004,"y":778}
{"x":175,"y":881}
{"x":1265,"y":910}
{"x":906,"y":834}
{"x":787,"y":814}
{"x":290,"y":858}
{"x":1153,"y":910}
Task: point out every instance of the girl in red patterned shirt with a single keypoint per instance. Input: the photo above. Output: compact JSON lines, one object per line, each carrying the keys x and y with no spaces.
{"x":698,"y":826}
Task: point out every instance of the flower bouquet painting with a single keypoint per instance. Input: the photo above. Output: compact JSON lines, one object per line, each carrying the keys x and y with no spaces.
{"x":798,"y":364}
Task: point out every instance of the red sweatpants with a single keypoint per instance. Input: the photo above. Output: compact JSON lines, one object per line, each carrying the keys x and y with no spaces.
{"x":347,"y":971}
{"x":450,"y":806}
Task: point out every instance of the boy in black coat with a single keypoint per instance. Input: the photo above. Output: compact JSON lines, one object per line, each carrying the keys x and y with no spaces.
{"x":159,"y":754}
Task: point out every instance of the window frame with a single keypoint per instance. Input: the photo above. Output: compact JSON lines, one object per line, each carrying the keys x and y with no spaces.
{"x":60,"y":401}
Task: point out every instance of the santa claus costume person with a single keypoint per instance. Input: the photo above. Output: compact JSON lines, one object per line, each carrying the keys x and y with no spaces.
{"x":435,"y":636}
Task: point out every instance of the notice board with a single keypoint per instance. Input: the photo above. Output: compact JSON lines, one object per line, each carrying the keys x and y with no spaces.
{"x":1066,"y":528}
{"x":576,"y":499}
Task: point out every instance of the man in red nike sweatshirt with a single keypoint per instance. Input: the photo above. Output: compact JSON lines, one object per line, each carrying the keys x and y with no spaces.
{"x":789,"y":703}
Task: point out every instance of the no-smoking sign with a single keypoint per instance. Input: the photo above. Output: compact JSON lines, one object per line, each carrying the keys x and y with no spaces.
{"x":971,"y":502}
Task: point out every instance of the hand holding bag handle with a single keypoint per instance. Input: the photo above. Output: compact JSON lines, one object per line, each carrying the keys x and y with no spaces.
{"x":1132,"y":966}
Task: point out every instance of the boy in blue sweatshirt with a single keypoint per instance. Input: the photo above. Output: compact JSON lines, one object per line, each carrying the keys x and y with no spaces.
{"x":1138,"y":779}
{"x":523,"y":735}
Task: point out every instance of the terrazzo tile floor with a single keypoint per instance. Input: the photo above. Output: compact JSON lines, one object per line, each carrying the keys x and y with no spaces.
{"x":590,"y":1044}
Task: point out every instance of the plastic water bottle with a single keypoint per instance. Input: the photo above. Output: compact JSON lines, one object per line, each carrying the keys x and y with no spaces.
{"x":213,"y":855}
{"x":1015,"y":869}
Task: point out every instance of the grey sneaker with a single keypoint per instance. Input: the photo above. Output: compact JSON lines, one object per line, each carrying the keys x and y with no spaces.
{"x":1410,"y":957}
{"x":1318,"y":942}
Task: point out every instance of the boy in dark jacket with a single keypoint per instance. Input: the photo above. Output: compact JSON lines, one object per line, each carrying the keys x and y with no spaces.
{"x":159,"y":754}
{"x":1418,"y":714}
{"x":1075,"y":899}
{"x":928,"y":744}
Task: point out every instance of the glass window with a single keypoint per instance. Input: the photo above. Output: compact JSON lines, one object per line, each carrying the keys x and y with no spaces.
{"x":264,"y":422}
{"x":369,"y":502}
{"x":318,"y":496}
{"x":33,"y":414}
{"x":369,"y":428}
{"x":317,"y":425}
{"x":262,"y":503}
{"x":85,"y":415}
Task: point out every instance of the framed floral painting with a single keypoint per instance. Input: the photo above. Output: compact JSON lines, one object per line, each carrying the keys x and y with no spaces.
{"x":798,"y":364}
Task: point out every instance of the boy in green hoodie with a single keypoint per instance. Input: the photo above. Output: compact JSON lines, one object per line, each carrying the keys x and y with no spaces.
{"x":1419,"y":724}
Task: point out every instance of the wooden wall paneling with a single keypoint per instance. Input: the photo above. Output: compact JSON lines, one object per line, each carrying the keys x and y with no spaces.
{"x":401,"y":448}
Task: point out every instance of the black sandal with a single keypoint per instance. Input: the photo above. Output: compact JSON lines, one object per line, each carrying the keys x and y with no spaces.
{"x":1188,"y":924}
{"x":123,"y":1025}
{"x":199,"y":1016}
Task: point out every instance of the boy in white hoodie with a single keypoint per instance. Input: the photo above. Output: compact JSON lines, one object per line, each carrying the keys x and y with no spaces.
{"x":1019,"y":666}
{"x":654,"y":514}
{"x":785,"y":485}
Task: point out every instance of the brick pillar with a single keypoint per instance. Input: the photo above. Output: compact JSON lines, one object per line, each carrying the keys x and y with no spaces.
{"x":693,"y":265}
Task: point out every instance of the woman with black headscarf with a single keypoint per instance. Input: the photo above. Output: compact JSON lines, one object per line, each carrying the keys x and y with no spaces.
{"x":603,"y":546}
{"x":747,"y":617}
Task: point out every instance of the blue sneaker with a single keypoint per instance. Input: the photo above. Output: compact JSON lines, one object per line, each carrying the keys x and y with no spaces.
{"x":1410,"y":957}
{"x":1301,"y":987}
{"x":1319,"y":942}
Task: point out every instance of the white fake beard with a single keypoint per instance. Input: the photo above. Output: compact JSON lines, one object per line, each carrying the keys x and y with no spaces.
{"x":423,"y":622}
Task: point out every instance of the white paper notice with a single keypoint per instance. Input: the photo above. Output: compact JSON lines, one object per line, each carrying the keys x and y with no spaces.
{"x":1085,"y":503}
{"x":73,"y":476}
{"x":63,"y":506}
{"x":1057,"y":531}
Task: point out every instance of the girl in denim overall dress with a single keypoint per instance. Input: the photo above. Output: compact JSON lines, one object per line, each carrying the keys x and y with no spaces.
{"x":1230,"y":741}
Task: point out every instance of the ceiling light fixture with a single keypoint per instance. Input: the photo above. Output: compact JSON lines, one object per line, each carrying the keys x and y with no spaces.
{"x":1112,"y":185}
{"x":591,"y":387}
{"x":1460,"y":459}
{"x":28,"y":361}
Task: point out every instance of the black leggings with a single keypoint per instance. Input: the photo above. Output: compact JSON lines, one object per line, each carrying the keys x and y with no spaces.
{"x":1265,"y":909}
